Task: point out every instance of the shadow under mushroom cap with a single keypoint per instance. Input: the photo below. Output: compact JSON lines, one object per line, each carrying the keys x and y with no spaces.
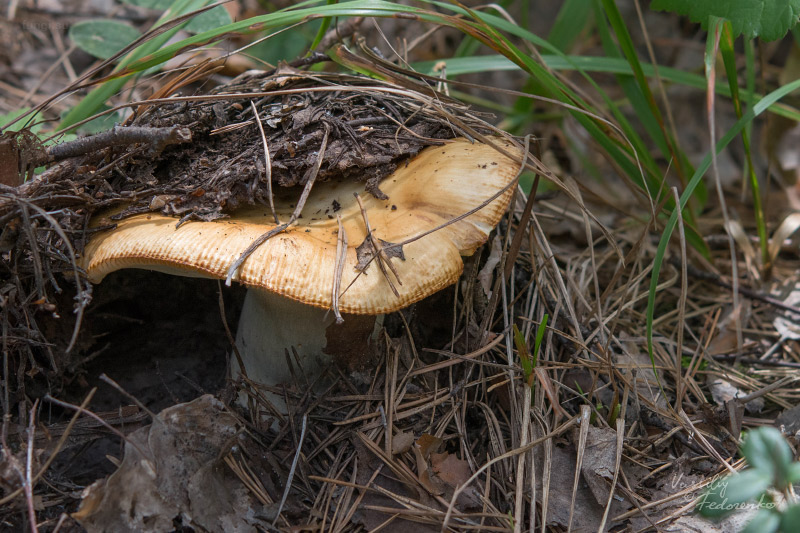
{"x":439,"y":184}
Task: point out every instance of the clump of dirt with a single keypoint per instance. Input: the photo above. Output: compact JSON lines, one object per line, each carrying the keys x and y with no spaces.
{"x":359,"y":130}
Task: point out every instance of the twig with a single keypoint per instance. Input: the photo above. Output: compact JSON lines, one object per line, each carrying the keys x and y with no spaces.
{"x":379,"y":250}
{"x":83,"y":296}
{"x":300,"y":204}
{"x":157,"y":138}
{"x":752,"y":361}
{"x":267,"y":162}
{"x":228,"y":333}
{"x":766,"y":390}
{"x":341,"y":256}
{"x":104,"y":378}
{"x":81,"y":409}
{"x":6,"y":499}
{"x":28,"y":481}
{"x":292,"y":469}
{"x":744,"y":291}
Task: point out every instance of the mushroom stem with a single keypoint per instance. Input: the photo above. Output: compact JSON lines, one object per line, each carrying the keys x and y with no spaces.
{"x":272,"y":326}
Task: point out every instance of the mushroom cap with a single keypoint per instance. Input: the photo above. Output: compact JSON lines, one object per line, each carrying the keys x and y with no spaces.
{"x":439,"y":184}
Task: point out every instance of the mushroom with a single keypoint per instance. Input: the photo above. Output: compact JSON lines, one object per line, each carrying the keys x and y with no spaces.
{"x":291,"y":277}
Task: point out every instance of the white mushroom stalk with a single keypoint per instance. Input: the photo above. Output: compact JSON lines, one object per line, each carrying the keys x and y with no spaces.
{"x":292,"y":275}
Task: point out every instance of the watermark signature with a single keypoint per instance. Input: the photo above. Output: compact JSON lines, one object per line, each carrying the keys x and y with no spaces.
{"x":719,"y":502}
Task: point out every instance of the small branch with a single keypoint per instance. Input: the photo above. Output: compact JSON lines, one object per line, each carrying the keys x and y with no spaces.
{"x":341,"y":256}
{"x":157,"y":138}
{"x":292,"y":470}
{"x":379,"y":251}
{"x":267,"y":162}
{"x":82,"y":410}
{"x":313,"y":172}
{"x":28,"y":481}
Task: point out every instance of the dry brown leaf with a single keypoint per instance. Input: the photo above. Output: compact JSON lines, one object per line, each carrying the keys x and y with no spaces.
{"x":450,"y":469}
{"x":180,"y":478}
{"x":402,"y":442}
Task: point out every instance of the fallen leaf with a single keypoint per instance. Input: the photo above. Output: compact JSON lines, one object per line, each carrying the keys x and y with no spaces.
{"x":172,"y":469}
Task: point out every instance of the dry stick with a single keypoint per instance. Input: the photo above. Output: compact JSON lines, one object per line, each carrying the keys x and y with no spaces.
{"x":6,"y":392}
{"x":584,"y":432}
{"x":766,"y":390}
{"x":744,"y":291}
{"x":516,"y":242}
{"x":81,"y":409}
{"x":228,"y":333}
{"x":291,"y":470}
{"x":30,"y":233}
{"x":58,"y":447}
{"x":104,"y":378}
{"x":82,"y":300}
{"x":618,"y":455}
{"x":379,"y":252}
{"x":679,"y":382}
{"x":312,"y":176}
{"x":267,"y":162}
{"x":13,"y":464}
{"x":28,"y":480}
{"x":341,"y":255}
{"x":61,"y":520}
{"x":157,"y":138}
{"x":511,"y":453}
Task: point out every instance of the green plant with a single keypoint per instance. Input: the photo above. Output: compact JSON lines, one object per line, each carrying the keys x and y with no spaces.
{"x":771,"y":467}
{"x":768,"y":19}
{"x":726,"y":20}
{"x":528,"y":361}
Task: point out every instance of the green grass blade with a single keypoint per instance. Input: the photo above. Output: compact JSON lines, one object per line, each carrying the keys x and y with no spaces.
{"x":323,"y":28}
{"x":761,"y":106}
{"x":643,"y":100}
{"x":540,"y":331}
{"x":729,"y":60}
{"x":570,"y":21}
{"x":92,"y":102}
{"x":589,"y":64}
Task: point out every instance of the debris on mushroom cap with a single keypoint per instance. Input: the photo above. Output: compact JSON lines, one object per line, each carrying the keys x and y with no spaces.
{"x":436,"y":186}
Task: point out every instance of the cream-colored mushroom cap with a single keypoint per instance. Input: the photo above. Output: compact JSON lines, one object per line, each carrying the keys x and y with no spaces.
{"x":436,"y":186}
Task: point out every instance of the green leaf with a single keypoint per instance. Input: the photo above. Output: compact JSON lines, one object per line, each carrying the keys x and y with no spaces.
{"x":572,"y":18}
{"x":150,"y":4}
{"x":765,"y":521}
{"x":210,"y":20}
{"x":768,"y":19}
{"x":102,"y":38}
{"x":726,"y":495}
{"x":790,"y":518}
{"x":8,"y":117}
{"x":766,"y":450}
{"x":101,"y":123}
{"x":522,"y":349}
{"x":793,"y":473}
{"x":540,"y":331}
